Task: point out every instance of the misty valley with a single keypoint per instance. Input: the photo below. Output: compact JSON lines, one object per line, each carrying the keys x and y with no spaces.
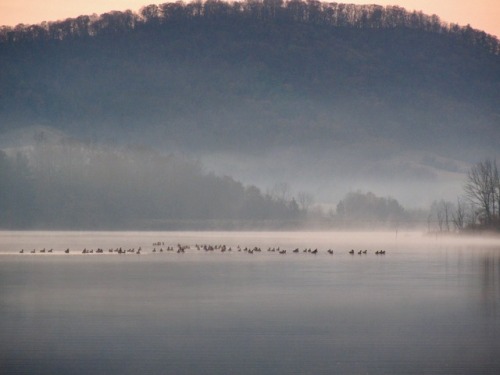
{"x":67,"y":184}
{"x":241,"y":115}
{"x":74,"y":186}
{"x":249,"y":187}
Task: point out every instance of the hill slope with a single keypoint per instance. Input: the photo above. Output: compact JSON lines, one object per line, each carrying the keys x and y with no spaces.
{"x":368,"y":95}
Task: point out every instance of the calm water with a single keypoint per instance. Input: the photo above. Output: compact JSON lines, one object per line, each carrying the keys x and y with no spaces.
{"x":429,"y":306}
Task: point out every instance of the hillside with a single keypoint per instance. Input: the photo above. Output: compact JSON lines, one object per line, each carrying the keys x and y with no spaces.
{"x":327,"y":97}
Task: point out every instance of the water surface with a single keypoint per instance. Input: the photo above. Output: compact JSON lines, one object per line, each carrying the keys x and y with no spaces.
{"x":430,"y":305}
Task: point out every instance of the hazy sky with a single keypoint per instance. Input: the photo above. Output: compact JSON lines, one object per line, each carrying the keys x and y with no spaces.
{"x":480,"y":14}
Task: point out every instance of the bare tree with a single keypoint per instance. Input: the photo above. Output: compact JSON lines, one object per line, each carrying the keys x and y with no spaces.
{"x":459,"y":215}
{"x":442,"y":211}
{"x":437,"y":211}
{"x":305,"y":200}
{"x":440,"y":219}
{"x":481,"y":188}
{"x":281,"y":191}
{"x":429,"y":222}
{"x":446,"y":208}
{"x":472,"y":215}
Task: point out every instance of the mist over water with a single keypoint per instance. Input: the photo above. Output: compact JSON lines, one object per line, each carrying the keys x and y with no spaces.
{"x":415,"y":179}
{"x":247,"y":115}
{"x":430,"y":305}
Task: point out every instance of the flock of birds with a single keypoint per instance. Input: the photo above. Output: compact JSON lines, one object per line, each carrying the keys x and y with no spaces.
{"x":159,"y":247}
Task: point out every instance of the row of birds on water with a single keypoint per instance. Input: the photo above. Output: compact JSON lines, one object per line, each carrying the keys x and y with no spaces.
{"x":180,"y":249}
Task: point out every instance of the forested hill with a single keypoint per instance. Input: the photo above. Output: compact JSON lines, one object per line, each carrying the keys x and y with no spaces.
{"x":253,"y":75}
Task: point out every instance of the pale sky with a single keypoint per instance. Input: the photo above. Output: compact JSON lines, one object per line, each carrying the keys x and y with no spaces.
{"x":480,"y":14}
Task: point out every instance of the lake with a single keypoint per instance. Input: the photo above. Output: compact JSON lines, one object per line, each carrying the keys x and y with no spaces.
{"x":430,"y":305}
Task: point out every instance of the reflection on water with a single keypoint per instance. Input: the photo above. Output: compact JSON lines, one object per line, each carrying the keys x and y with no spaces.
{"x":490,"y":283}
{"x":428,"y":306}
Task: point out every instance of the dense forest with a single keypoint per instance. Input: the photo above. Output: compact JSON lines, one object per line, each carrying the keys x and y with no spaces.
{"x":85,"y":186}
{"x":329,"y":97}
{"x":71,"y":186}
{"x":215,"y":11}
{"x":359,"y":209}
{"x":253,"y":75}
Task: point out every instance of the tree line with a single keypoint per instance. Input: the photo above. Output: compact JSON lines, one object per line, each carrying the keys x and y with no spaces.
{"x":309,"y":12}
{"x":249,"y":79}
{"x":479,"y":206}
{"x":477,"y":209}
{"x":358,"y":209}
{"x":73,"y":187}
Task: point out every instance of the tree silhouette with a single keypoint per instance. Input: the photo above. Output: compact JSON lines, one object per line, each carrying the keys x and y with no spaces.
{"x":310,"y":11}
{"x":482,"y":187}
